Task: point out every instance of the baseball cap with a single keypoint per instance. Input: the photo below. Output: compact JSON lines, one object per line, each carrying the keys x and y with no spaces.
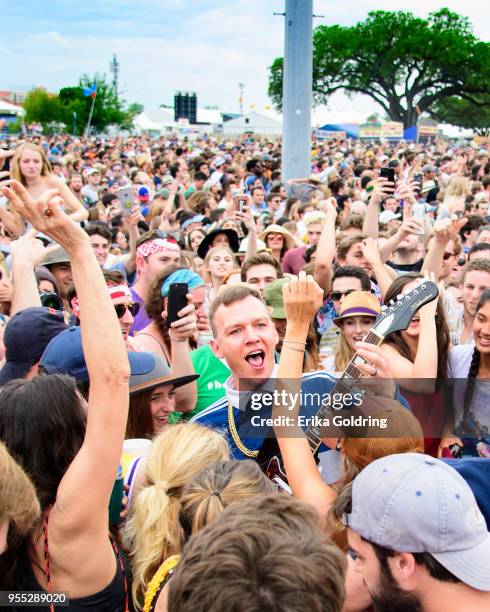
{"x":219,"y":161}
{"x":143,"y":194}
{"x":388,"y":215}
{"x":414,"y":503}
{"x":91,"y":171}
{"x":428,"y":168}
{"x":273,"y":298}
{"x":27,"y":334}
{"x":64,"y":355}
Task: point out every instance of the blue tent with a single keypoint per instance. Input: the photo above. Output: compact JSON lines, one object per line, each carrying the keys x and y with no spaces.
{"x":351,"y":129}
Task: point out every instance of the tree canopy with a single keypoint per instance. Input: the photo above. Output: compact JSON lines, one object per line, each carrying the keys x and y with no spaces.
{"x":408,"y":65}
{"x":42,"y":107}
{"x":463,"y":113}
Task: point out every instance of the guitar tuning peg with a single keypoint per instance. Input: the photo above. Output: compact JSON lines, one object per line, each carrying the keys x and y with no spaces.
{"x":399,"y":297}
{"x":392,"y":302}
{"x":384,"y":307}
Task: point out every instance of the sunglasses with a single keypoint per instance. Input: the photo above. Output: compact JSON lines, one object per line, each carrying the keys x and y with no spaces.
{"x":446,"y":256}
{"x":170,"y":236}
{"x":337,"y":295}
{"x":120,"y":309}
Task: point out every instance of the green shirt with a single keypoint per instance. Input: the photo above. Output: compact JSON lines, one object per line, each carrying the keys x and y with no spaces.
{"x":210,"y":384}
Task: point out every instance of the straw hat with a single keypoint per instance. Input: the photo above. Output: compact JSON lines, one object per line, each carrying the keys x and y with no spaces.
{"x":358,"y":304}
{"x":278,"y":229}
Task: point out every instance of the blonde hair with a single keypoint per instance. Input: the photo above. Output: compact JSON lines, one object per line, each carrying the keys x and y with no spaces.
{"x":17,"y":174}
{"x":343,"y":353}
{"x":152,"y":532}
{"x":457,"y":187}
{"x":314,"y":217}
{"x":216,"y":487}
{"x":18,"y":501}
{"x":209,"y":254}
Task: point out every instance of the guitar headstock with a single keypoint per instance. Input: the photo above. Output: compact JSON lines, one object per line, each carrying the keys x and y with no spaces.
{"x":396,"y":315}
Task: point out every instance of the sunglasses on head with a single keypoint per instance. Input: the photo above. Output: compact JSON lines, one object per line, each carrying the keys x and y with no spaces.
{"x":337,"y":295}
{"x":120,"y":309}
{"x":170,"y":236}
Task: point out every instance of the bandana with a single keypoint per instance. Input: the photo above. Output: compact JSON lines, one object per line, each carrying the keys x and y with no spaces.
{"x":115,"y":291}
{"x":155,"y":246}
{"x":192,"y":279}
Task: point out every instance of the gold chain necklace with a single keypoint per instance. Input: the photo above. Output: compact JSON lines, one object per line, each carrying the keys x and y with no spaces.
{"x":236,"y":438}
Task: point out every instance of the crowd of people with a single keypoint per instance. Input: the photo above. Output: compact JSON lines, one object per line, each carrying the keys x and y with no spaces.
{"x":147,"y":286}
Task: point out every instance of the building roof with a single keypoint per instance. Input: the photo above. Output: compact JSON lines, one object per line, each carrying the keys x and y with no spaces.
{"x":6,"y":107}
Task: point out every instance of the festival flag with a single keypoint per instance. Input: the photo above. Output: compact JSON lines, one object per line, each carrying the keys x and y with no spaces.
{"x":90,"y":91}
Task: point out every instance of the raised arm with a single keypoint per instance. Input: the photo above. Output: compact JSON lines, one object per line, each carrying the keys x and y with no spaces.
{"x":129,"y":260}
{"x":302,"y":298}
{"x":325,"y":252}
{"x":384,"y":274}
{"x":382,"y":188}
{"x":444,"y":230}
{"x":84,"y":492}
{"x":27,"y":253}
{"x":426,"y":358}
{"x":72,"y":203}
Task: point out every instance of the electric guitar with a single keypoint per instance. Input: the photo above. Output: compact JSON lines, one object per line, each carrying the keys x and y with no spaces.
{"x":395,"y":316}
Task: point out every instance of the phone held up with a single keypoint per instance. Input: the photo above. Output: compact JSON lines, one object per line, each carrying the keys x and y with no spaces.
{"x":388,"y":173}
{"x":126,"y":200}
{"x":176,"y":301}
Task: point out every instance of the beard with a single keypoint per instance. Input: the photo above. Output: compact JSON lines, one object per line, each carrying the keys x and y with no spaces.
{"x":389,"y":597}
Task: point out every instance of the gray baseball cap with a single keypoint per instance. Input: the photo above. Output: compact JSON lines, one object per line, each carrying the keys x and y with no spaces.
{"x":415,"y":503}
{"x":57,"y":256}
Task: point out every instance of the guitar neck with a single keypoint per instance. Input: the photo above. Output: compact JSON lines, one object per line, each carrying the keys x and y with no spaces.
{"x":351,"y":372}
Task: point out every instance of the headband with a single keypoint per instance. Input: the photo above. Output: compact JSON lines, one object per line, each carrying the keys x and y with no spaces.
{"x":115,"y":291}
{"x":155,"y":246}
{"x":192,"y":279}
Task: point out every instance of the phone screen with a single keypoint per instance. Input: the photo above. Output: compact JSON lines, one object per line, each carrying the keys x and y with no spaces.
{"x":388,"y":173}
{"x":177,"y":300}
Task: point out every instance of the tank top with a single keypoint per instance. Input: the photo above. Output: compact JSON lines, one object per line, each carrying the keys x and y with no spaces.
{"x":115,"y":597}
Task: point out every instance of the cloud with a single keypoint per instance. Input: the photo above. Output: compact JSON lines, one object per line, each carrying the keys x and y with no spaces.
{"x":207,"y":46}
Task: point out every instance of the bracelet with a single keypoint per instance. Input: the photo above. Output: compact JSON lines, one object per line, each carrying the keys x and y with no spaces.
{"x":293,"y":348}
{"x":294,"y":342}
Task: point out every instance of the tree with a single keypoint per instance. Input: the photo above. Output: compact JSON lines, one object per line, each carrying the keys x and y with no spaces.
{"x":41,"y":107}
{"x":405,"y":63}
{"x":463,"y":113}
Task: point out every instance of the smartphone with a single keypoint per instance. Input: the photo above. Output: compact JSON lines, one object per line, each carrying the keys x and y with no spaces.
{"x":418,"y":177}
{"x":126,"y":200}
{"x":177,"y":300}
{"x":418,"y":212}
{"x":388,"y":173}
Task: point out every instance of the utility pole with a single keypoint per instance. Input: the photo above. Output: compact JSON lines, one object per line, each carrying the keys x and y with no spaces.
{"x":241,"y":87}
{"x":297,"y":88}
{"x":114,"y":68}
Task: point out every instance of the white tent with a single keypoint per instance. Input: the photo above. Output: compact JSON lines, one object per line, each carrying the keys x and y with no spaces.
{"x":254,"y":122}
{"x":11,"y":109}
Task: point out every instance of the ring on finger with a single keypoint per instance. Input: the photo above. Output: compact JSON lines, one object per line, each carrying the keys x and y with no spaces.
{"x":47,"y":212}
{"x":375,"y":370}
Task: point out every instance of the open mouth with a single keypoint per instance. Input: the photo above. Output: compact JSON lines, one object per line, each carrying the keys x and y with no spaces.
{"x":162,"y":420}
{"x":256,"y":358}
{"x":484,"y":341}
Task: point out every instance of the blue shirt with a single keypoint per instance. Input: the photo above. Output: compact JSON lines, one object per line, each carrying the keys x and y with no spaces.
{"x":252,"y":437}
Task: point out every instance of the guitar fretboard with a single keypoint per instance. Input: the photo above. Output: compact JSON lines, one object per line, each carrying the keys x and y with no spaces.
{"x":351,"y":372}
